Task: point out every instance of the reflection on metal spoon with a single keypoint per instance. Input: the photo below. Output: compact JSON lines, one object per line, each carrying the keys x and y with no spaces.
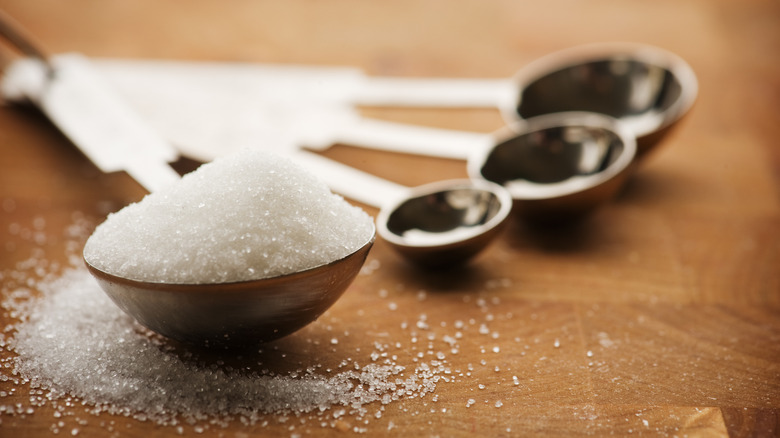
{"x":558,"y":165}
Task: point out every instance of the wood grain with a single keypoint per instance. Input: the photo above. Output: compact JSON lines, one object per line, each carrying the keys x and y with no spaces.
{"x":658,"y":316}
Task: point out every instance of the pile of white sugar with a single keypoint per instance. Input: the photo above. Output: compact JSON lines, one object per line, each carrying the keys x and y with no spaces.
{"x":75,"y":341}
{"x":247,"y":216}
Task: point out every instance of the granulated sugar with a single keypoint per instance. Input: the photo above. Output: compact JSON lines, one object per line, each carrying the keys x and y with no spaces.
{"x":247,"y":216}
{"x":72,"y":341}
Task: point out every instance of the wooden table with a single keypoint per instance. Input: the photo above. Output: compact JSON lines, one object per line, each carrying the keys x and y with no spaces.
{"x":660,"y":315}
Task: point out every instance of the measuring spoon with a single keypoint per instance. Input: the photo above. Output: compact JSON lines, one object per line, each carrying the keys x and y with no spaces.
{"x":647,"y":88}
{"x":436,"y":224}
{"x":558,"y":166}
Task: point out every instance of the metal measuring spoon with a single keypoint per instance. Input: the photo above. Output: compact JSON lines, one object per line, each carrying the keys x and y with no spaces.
{"x":646,"y":88}
{"x":240,"y":313}
{"x":558,"y":166}
{"x":436,"y":224}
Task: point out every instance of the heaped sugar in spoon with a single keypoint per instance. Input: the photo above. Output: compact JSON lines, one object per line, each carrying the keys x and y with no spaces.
{"x":247,"y":248}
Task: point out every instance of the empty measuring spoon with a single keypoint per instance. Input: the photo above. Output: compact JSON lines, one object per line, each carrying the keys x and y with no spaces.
{"x":646,"y":88}
{"x":558,"y":166}
{"x":435,"y":224}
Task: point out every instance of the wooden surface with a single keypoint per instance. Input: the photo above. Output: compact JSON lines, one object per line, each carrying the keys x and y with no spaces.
{"x":659,"y":316}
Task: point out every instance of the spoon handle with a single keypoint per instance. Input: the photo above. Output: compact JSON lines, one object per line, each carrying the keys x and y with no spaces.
{"x":434,"y":92}
{"x":348,"y":181}
{"x":95,"y":119}
{"x":410,"y":139}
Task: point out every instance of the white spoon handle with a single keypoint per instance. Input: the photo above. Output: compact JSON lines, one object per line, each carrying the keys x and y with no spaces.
{"x":434,"y":92}
{"x":93,"y":117}
{"x":411,"y":139}
{"x":348,"y":181}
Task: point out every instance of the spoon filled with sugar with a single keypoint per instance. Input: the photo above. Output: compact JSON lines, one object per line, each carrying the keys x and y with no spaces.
{"x":246,"y":249}
{"x":433,"y":225}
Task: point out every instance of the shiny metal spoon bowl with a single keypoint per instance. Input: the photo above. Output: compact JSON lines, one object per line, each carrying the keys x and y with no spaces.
{"x":558,"y":166}
{"x":446,"y":222}
{"x":240,"y":313}
{"x":647,"y":88}
{"x":243,"y":313}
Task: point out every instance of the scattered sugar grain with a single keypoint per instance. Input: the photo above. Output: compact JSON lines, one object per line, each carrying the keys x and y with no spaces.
{"x":246,"y":216}
{"x":72,"y":343}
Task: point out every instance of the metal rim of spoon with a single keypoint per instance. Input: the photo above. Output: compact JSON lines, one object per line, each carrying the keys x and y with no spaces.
{"x":243,"y":313}
{"x":646,"y":88}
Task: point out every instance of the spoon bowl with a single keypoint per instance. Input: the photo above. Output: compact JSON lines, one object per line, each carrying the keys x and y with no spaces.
{"x":234,"y":314}
{"x":446,"y":222}
{"x":647,"y":88}
{"x":558,"y":166}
